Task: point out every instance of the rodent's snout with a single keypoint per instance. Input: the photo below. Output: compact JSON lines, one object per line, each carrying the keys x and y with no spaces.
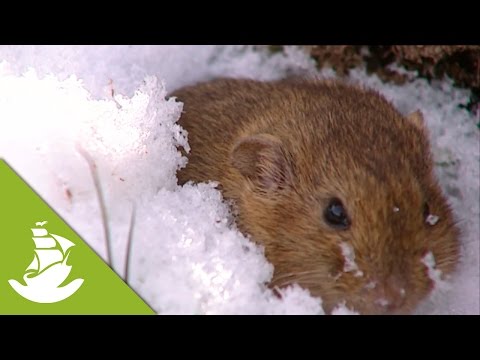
{"x":388,"y":295}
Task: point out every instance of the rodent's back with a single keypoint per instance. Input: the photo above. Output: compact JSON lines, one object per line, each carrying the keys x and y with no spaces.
{"x":286,"y":151}
{"x":221,"y":111}
{"x":216,"y":112}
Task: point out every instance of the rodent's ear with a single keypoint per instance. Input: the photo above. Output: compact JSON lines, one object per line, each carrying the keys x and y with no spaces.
{"x":262,"y":159}
{"x":416,"y":118}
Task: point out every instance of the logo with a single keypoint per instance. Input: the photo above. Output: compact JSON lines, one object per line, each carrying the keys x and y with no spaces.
{"x":48,"y":270}
{"x":53,"y":281}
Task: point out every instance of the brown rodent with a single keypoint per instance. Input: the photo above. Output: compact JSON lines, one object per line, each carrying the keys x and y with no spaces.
{"x":334,"y":182}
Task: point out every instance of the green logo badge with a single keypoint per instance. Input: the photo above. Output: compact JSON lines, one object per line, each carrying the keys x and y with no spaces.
{"x":65,"y":276}
{"x":48,"y":269}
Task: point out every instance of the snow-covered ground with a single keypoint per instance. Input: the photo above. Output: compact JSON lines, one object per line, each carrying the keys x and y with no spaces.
{"x":57,"y":114}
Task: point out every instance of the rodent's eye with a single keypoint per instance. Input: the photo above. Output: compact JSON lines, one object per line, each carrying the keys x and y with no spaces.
{"x":336,"y":215}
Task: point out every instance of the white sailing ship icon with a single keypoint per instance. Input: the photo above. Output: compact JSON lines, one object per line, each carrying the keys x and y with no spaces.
{"x":48,"y":270}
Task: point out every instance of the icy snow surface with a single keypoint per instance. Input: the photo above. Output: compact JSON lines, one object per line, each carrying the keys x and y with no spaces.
{"x":57,"y":112}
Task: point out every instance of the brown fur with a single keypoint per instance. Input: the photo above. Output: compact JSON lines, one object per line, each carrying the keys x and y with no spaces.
{"x":282,"y":149}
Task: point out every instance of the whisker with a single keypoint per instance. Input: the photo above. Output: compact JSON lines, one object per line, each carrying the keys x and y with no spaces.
{"x":307,"y":278}
{"x":294,"y":274}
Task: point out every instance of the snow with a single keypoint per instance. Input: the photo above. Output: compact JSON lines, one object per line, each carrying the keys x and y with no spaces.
{"x":62,"y":107}
{"x":349,"y":259}
{"x":432,"y":219}
{"x":434,"y":274}
{"x":342,"y":309}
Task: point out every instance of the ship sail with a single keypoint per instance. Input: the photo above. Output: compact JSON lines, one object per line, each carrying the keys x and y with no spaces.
{"x":47,"y":257}
{"x":65,"y":244}
{"x":39,"y":232}
{"x":47,"y":252}
{"x":33,"y":265}
{"x":44,"y":242}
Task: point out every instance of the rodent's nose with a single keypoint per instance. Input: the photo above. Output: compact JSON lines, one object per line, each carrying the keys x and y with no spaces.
{"x":388,"y":294}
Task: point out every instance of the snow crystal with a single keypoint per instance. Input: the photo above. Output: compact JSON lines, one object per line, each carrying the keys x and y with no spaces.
{"x":382,"y":302}
{"x":441,"y":287}
{"x":349,"y":257}
{"x":62,"y":107}
{"x":434,"y":274}
{"x":342,"y":309}
{"x":432,"y":219}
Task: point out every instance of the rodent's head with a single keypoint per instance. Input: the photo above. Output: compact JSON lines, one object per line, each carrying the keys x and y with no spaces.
{"x":348,"y":206}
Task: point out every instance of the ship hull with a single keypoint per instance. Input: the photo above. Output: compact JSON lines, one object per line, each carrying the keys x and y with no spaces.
{"x":39,"y":295}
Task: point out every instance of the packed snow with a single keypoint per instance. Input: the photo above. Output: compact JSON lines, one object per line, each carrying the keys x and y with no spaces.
{"x":349,"y":259}
{"x":65,"y":108}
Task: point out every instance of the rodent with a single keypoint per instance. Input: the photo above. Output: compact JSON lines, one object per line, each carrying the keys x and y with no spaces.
{"x":334,"y":183}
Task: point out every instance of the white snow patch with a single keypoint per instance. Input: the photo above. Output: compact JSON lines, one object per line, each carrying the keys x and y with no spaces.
{"x":432,"y":219}
{"x":342,"y":309}
{"x":442,"y":287}
{"x":349,"y":264}
{"x":382,"y":302}
{"x":434,"y":274}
